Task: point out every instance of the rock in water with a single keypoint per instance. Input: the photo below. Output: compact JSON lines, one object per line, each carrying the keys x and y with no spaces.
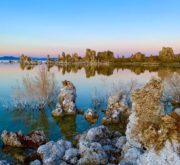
{"x":66,"y":100}
{"x":32,"y":140}
{"x":91,"y":116}
{"x":116,"y":107}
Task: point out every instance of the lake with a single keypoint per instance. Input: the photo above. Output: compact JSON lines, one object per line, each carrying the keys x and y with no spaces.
{"x":88,"y":80}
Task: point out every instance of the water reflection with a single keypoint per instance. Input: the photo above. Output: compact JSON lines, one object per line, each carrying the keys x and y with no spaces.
{"x":67,"y":126}
{"x":33,"y":120}
{"x":86,"y":78}
{"x":21,"y":156}
{"x":107,"y":70}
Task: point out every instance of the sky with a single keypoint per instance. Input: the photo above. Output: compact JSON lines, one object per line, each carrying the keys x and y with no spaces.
{"x":40,"y":27}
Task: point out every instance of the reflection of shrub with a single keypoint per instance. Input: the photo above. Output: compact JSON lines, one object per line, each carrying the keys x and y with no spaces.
{"x":37,"y":91}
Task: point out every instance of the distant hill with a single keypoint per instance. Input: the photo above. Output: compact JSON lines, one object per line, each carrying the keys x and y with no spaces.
{"x":9,"y":58}
{"x":13,"y":58}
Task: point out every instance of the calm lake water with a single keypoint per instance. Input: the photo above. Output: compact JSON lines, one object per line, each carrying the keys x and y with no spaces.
{"x":88,"y":81}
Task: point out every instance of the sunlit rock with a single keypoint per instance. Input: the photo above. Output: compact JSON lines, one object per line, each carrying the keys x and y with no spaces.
{"x":32,"y":140}
{"x":91,"y":116}
{"x":66,"y":100}
{"x":115,"y":108}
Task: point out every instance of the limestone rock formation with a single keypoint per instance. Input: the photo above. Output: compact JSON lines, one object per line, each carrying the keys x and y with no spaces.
{"x":66,"y":100}
{"x":32,"y":140}
{"x":146,"y":109}
{"x":91,"y":116}
{"x":152,"y":136}
{"x":115,"y":108}
{"x":166,"y":54}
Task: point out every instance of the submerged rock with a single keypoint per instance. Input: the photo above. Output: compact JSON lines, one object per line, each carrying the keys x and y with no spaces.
{"x":116,"y":107}
{"x":91,"y":116}
{"x":32,"y":140}
{"x":66,"y":100}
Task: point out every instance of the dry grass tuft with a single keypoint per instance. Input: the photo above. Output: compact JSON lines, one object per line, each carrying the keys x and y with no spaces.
{"x":36,"y":91}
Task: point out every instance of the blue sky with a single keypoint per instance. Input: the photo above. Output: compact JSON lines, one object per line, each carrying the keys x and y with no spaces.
{"x":41,"y":27}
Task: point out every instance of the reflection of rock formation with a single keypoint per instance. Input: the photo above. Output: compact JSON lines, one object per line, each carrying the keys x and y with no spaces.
{"x":67,"y":125}
{"x":22,"y":156}
{"x":90,"y":70}
{"x":167,"y":72}
{"x":36,"y":121}
{"x":138,"y":70}
{"x":105,"y":69}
